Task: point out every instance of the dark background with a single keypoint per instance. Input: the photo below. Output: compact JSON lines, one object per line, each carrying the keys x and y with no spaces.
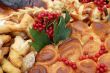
{"x":15,"y":4}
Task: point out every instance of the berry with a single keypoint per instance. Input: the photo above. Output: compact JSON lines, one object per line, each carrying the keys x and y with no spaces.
{"x":74,"y":66}
{"x":82,"y":57}
{"x":101,"y":4}
{"x":43,"y":22}
{"x":95,"y":59}
{"x":91,"y":38}
{"x":97,"y":55}
{"x":67,"y":62}
{"x":101,"y":68}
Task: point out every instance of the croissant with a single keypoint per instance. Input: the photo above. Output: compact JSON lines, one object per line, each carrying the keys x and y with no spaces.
{"x":1,"y":71}
{"x":39,"y":68}
{"x":91,"y":48}
{"x":107,"y":43}
{"x":59,"y":67}
{"x":9,"y":68}
{"x":28,"y":61}
{"x":48,"y":55}
{"x":81,"y":31}
{"x":4,"y":39}
{"x":10,"y":26}
{"x":5,"y":50}
{"x":85,"y":11}
{"x":86,"y":66}
{"x":83,"y":26}
{"x":71,"y":49}
{"x":20,"y":45}
{"x":100,"y":29}
{"x":104,"y":59}
{"x":15,"y":58}
{"x":1,"y":56}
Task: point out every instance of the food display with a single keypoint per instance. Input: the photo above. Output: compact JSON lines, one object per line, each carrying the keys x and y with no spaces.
{"x":69,"y":36}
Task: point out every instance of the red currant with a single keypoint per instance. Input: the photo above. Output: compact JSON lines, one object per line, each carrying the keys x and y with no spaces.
{"x":101,"y":4}
{"x":67,"y":62}
{"x":43,"y":19}
{"x":101,"y":68}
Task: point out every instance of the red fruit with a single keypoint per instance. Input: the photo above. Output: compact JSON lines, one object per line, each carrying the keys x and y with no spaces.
{"x":82,"y":57}
{"x":43,"y":19}
{"x":95,"y":59}
{"x":101,"y":52}
{"x":66,"y":62}
{"x":90,"y":57}
{"x":70,"y":63}
{"x":40,"y":29}
{"x":74,"y":66}
{"x":102,"y":47}
{"x":101,"y":68}
{"x":97,"y":55}
{"x":43,"y":26}
{"x":35,"y":26}
{"x":105,"y":51}
{"x":105,"y":68}
{"x":50,"y":16}
{"x":91,"y":38}
{"x":107,"y":6}
{"x":64,"y":59}
{"x":50,"y":27}
{"x":102,"y":65}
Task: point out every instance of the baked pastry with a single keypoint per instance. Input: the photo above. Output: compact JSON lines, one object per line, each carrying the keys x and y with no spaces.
{"x":104,"y":59}
{"x":91,"y":48}
{"x":70,"y":36}
{"x":107,"y":43}
{"x":48,"y":55}
{"x":39,"y":68}
{"x":71,"y":49}
{"x":86,"y":66}
{"x":59,"y":67}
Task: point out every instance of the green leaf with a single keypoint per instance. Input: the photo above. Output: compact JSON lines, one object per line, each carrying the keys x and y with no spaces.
{"x":67,"y":16}
{"x":60,"y":30}
{"x":40,"y":39}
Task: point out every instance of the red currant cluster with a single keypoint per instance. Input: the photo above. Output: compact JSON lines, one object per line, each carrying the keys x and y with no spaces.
{"x":44,"y":21}
{"x":96,"y":56}
{"x":88,"y":57}
{"x":67,"y":62}
{"x":101,"y":4}
{"x":101,"y":51}
{"x":101,"y":68}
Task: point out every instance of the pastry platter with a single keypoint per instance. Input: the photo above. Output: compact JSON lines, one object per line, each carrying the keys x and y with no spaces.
{"x":55,"y":36}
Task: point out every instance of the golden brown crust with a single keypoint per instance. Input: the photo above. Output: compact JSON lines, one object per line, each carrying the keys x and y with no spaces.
{"x":88,"y":27}
{"x":48,"y":55}
{"x":87,"y":66}
{"x":101,"y":29}
{"x":105,"y":59}
{"x":71,"y":49}
{"x":91,"y":48}
{"x":59,"y":67}
{"x":107,"y":43}
{"x":39,"y":68}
